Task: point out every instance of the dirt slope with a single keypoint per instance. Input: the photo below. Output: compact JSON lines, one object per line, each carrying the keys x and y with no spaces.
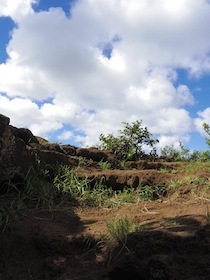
{"x":173,"y":241}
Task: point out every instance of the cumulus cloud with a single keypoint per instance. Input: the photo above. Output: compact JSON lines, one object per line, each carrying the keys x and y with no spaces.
{"x":66,"y":135}
{"x":16,"y":9}
{"x":111,"y":61}
{"x":203,"y":117}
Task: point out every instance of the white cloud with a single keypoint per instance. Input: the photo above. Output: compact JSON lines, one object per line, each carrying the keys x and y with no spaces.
{"x":22,"y":112}
{"x":53,"y":56}
{"x":16,"y":9}
{"x":66,"y":135}
{"x":203,"y":117}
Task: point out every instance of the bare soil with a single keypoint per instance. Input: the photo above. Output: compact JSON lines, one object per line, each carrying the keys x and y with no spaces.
{"x":70,"y":244}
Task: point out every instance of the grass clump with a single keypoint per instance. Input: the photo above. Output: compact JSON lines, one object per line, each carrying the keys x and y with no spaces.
{"x":118,"y":229}
{"x":174,"y":184}
{"x":78,"y":190}
{"x":151,"y":192}
{"x":105,"y":165}
{"x":81,"y":191}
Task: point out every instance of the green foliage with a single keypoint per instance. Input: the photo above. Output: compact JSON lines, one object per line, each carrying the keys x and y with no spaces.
{"x":206,"y":128}
{"x":119,"y":229}
{"x":105,"y":165}
{"x":169,"y":151}
{"x":129,"y":144}
{"x":201,"y":156}
{"x":184,"y":154}
{"x":10,"y":209}
{"x":174,"y":184}
{"x":79,"y":190}
{"x":151,"y":192}
{"x":193,"y":168}
{"x":205,"y":156}
{"x":34,"y":191}
{"x":180,"y":154}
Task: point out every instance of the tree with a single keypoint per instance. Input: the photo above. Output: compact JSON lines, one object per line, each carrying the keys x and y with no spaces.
{"x":206,"y":128}
{"x":130,"y":143}
{"x":180,"y":154}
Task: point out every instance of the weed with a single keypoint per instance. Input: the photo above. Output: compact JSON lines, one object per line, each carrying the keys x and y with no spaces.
{"x":122,"y":164}
{"x":81,"y":162}
{"x":193,"y":168}
{"x":151,"y":192}
{"x":104,"y":165}
{"x":163,"y":170}
{"x":10,"y":209}
{"x":119,"y":229}
{"x":174,"y":185}
{"x":79,"y":190}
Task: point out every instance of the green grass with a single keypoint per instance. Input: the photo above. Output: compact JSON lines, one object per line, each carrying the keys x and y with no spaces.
{"x":105,"y":165}
{"x":174,"y":184}
{"x":194,"y":167}
{"x":69,"y":188}
{"x":118,"y":229}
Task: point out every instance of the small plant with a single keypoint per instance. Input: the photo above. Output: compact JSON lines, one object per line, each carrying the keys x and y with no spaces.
{"x":151,"y":192}
{"x":81,"y":191}
{"x":163,"y":170}
{"x":81,"y":162}
{"x":174,"y":185}
{"x":122,"y":164}
{"x":105,"y":165}
{"x":11,"y":209}
{"x":119,"y":229}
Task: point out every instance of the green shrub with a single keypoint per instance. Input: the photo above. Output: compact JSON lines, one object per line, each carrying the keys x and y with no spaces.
{"x":206,"y":128}
{"x":180,"y":154}
{"x":128,"y":145}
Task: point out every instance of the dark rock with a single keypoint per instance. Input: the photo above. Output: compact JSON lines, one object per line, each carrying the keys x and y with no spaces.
{"x":95,"y":154}
{"x":69,"y":150}
{"x":4,"y":119}
{"x":14,"y":157}
{"x":20,"y":153}
{"x":27,"y":136}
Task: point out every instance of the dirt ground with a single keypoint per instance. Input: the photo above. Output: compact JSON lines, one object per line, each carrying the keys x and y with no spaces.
{"x":173,"y":242}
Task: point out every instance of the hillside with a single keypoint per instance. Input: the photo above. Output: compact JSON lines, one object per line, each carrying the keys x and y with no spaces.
{"x":96,"y":218}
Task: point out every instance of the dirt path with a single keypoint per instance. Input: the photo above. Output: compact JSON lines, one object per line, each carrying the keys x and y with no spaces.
{"x":174,"y":244}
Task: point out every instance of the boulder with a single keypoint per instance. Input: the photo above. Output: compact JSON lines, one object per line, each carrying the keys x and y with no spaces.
{"x":95,"y":154}
{"x":4,"y":119}
{"x":21,"y":152}
{"x":27,"y":136}
{"x":14,"y":157}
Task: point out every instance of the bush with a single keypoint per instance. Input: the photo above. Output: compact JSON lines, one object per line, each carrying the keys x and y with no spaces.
{"x":180,"y":154}
{"x":130,"y":143}
{"x":207,"y":130}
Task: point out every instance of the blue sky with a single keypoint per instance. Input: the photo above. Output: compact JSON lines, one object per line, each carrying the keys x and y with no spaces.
{"x":71,"y":70}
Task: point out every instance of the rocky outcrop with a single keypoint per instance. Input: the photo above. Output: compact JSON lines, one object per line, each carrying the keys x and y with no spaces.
{"x":15,"y":159}
{"x":20,"y":152}
{"x":96,"y":154}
